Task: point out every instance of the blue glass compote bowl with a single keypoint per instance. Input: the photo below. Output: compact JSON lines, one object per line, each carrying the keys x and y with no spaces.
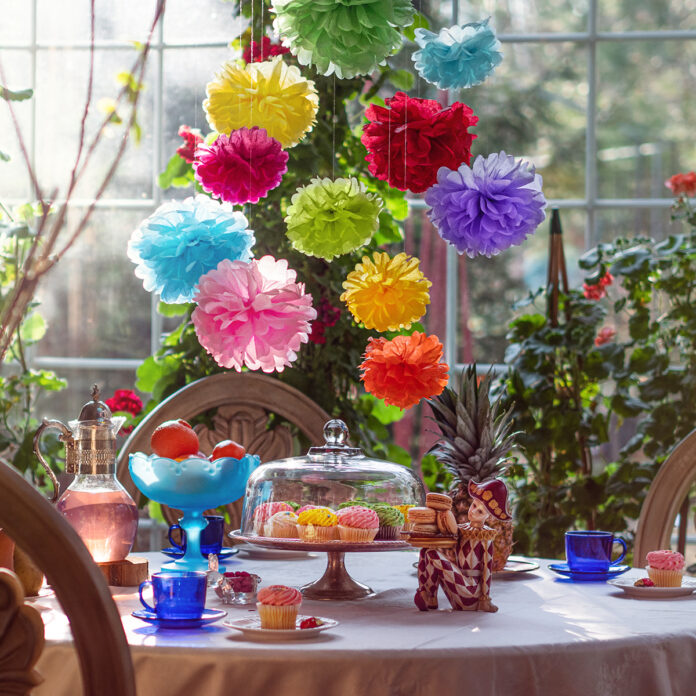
{"x":193,"y":486}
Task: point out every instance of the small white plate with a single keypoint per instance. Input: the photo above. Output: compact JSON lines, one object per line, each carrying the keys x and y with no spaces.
{"x":251,"y":628}
{"x":514,"y":566}
{"x":626,"y":584}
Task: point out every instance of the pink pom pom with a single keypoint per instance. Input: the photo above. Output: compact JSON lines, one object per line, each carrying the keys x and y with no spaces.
{"x":252,"y":314}
{"x":241,"y":167}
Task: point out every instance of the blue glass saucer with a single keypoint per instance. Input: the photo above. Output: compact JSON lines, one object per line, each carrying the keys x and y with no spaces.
{"x":585,"y":576}
{"x":209,"y":616}
{"x":178,"y":553}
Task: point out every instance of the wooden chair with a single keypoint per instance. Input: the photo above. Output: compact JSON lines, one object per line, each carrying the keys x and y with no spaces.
{"x":665,"y":499}
{"x":244,"y":403}
{"x":55,"y":547}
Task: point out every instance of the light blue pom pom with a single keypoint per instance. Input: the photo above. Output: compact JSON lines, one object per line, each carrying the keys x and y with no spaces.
{"x":183,"y":240}
{"x":459,"y":56}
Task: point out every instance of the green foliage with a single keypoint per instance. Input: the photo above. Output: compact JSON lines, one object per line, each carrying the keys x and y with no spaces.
{"x":20,"y":384}
{"x":569,"y":395}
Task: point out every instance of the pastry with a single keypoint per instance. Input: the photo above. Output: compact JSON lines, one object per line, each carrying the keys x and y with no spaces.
{"x":403,"y":509}
{"x":391,"y":522}
{"x":447,"y":522}
{"x":644,"y":582}
{"x":264,"y":512}
{"x":282,"y":525}
{"x":357,"y":524}
{"x":278,"y":606}
{"x":317,"y":524}
{"x":438,"y":501}
{"x":665,"y":568}
{"x":422,"y":515}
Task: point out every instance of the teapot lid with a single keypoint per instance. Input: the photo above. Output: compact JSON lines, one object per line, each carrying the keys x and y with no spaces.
{"x":336,"y":436}
{"x":95,"y":410}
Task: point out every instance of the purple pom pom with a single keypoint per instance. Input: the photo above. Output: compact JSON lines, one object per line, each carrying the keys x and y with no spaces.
{"x":488,"y":207}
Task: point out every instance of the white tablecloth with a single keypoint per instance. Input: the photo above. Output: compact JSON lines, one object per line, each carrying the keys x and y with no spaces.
{"x":550,"y":637}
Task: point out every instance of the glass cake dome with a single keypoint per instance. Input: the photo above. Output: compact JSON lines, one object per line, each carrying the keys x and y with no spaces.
{"x":330,"y":476}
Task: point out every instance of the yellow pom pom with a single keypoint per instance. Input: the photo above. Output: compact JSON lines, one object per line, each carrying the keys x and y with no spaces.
{"x":386,"y":293}
{"x":271,"y":95}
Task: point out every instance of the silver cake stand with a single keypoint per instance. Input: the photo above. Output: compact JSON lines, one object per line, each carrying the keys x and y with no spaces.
{"x":335,"y":584}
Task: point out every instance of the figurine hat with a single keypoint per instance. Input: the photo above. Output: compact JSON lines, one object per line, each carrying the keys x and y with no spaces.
{"x":493,"y":494}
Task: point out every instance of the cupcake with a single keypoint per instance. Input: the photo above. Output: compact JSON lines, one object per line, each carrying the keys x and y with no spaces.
{"x":665,"y":568}
{"x":282,"y":525}
{"x":357,"y":523}
{"x":278,"y":606}
{"x":264,"y":512}
{"x":391,"y":522}
{"x":317,"y":524}
{"x":403,"y":509}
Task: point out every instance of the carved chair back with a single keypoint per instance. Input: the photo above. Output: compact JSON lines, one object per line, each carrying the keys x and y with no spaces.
{"x":241,"y":407}
{"x":55,"y":547}
{"x":665,"y":499}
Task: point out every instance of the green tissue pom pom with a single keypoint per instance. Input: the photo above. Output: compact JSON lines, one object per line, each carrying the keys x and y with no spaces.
{"x":330,"y":218}
{"x":348,"y":37}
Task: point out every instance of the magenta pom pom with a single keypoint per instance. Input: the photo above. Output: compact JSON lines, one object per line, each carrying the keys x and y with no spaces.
{"x":241,"y":167}
{"x":252,"y":314}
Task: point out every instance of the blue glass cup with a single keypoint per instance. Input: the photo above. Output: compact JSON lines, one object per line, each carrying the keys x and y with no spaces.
{"x":590,"y":551}
{"x":176,"y":595}
{"x":211,"y":536}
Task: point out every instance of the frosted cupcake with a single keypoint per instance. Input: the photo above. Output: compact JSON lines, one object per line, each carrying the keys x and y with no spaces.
{"x":391,"y":522}
{"x":282,"y":525}
{"x":403,"y":509}
{"x":317,"y":524}
{"x":278,"y":606}
{"x":665,"y":568}
{"x":264,"y":512}
{"x":357,"y":524}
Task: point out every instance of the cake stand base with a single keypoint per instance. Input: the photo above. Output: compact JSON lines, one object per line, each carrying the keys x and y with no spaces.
{"x":335,"y":583}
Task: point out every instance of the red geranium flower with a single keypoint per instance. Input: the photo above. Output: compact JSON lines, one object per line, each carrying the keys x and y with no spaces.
{"x":125,"y":400}
{"x":408,"y":140}
{"x":268,"y":49}
{"x":191,"y":140}
{"x":605,"y":335}
{"x":327,"y":315}
{"x":682,"y":184}
{"x":598,"y":291}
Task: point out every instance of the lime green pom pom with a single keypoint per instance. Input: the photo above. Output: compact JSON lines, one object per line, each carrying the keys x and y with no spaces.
{"x":348,"y":37}
{"x":330,"y":218}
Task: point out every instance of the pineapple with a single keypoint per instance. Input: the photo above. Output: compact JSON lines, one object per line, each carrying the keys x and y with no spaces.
{"x":474,"y":440}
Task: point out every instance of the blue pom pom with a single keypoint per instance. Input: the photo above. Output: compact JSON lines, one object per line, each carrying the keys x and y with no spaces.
{"x":459,"y":56}
{"x":183,"y":240}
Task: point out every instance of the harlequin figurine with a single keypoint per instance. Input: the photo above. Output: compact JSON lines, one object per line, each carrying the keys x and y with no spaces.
{"x":457,"y":557}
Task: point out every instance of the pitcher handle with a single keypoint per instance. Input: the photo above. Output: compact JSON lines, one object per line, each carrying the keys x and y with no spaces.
{"x":49,"y":425}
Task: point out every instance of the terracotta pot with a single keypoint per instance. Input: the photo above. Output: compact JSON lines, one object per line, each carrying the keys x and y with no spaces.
{"x":6,"y":551}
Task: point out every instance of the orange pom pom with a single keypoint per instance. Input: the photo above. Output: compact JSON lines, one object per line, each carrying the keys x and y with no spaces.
{"x":404,"y":370}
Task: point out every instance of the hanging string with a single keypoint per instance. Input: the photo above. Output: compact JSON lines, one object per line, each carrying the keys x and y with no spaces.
{"x":333,"y":131}
{"x":251,"y":99}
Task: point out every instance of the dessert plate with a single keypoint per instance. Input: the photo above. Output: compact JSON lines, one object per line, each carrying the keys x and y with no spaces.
{"x":263,"y":553}
{"x":584,"y":576}
{"x":515,"y":565}
{"x":178,"y":553}
{"x":251,"y":628}
{"x":626,"y":584}
{"x":209,"y":616}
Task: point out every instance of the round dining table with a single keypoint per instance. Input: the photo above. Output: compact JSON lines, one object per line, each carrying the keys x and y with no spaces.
{"x":550,"y":637}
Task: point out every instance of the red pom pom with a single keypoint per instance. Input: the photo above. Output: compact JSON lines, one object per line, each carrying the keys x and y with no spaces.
{"x":410,"y":139}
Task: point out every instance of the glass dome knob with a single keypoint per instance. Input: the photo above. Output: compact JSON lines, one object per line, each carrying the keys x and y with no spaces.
{"x":336,"y":433}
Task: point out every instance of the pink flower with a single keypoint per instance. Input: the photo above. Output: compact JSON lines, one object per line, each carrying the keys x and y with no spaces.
{"x":191,"y":139}
{"x":682,"y":184}
{"x":252,"y":314}
{"x":255,"y":53}
{"x":598,"y":291}
{"x":605,"y":335}
{"x":241,"y":167}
